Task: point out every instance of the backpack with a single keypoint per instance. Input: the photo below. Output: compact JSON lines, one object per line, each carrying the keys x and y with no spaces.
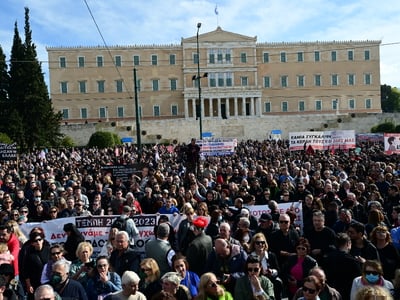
{"x":120,"y":223}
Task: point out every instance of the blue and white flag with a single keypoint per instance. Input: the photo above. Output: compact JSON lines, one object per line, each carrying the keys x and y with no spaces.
{"x":216,"y":10}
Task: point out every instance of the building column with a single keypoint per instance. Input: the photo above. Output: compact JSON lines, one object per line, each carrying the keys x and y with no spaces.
{"x":252,"y":106}
{"x":186,"y":108}
{"x":219,"y":107}
{"x":227,"y":106}
{"x":243,"y":106}
{"x":194,"y":108}
{"x":235,"y":107}
{"x":259,"y":107}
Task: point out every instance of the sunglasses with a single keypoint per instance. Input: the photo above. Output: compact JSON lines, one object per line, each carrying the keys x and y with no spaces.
{"x":213,"y":285}
{"x":55,"y":253}
{"x":145,"y":270}
{"x":24,"y":211}
{"x":372,"y":272}
{"x":260,"y":242}
{"x":301,"y":248}
{"x":253,"y":269}
{"x":283,"y":222}
{"x":37,"y":240}
{"x":308,"y":290}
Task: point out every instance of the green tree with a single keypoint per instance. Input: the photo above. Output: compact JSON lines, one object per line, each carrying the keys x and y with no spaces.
{"x":4,"y":82}
{"x":390,"y":99}
{"x":34,"y":123}
{"x":102,"y":139}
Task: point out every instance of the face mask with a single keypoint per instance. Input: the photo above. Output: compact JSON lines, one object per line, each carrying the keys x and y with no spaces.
{"x":38,"y":198}
{"x":56,"y":279}
{"x":371,"y":278}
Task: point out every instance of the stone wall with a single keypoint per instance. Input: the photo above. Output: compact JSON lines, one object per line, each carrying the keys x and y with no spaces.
{"x":259,"y":128}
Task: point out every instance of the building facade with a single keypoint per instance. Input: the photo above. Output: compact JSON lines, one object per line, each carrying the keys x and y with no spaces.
{"x":239,"y":78}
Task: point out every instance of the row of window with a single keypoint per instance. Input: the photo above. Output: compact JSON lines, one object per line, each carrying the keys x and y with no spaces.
{"x":103,"y":112}
{"x":215,"y":56}
{"x":220,"y":80}
{"x":301,"y":106}
{"x":301,"y":80}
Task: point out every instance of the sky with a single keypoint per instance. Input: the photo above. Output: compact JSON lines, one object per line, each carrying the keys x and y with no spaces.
{"x":57,"y":23}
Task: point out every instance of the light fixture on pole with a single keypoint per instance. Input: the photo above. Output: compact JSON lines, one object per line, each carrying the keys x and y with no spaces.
{"x":198,"y":78}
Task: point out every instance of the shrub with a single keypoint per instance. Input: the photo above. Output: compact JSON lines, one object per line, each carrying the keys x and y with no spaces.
{"x":103,"y":140}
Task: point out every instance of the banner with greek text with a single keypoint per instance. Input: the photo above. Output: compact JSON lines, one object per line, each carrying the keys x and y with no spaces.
{"x":322,"y":140}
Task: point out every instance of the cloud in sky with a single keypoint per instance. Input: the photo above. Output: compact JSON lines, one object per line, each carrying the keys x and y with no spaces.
{"x":126,"y":22}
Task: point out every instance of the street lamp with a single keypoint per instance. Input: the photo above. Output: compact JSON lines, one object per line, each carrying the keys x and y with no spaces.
{"x":198,"y":78}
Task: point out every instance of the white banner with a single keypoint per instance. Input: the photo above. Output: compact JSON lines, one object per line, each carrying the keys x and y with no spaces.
{"x":322,"y":140}
{"x":392,"y":143}
{"x":96,"y":229}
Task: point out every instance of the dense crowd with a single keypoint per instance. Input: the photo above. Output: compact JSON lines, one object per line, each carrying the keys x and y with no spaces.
{"x":347,"y":248}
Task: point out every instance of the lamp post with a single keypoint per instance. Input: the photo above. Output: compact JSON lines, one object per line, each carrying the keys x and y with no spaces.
{"x":198,"y":78}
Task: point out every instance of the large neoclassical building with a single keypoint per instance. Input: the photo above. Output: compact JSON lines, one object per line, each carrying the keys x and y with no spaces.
{"x":239,"y":78}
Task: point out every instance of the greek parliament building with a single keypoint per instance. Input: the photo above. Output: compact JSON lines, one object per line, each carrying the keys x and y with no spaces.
{"x":245,"y":84}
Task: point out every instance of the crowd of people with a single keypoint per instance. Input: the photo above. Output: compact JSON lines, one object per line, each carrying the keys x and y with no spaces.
{"x":347,"y":247}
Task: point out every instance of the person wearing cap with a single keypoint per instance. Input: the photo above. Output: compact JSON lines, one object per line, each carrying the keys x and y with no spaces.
{"x":160,"y":249}
{"x":266,"y":225}
{"x":201,"y":246}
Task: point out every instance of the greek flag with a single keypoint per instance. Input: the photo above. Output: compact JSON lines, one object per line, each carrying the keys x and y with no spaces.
{"x":216,"y":10}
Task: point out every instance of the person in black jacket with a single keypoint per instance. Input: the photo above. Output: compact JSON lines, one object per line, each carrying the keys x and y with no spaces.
{"x":71,"y":244}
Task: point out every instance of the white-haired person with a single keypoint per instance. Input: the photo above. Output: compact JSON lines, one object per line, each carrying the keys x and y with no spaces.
{"x":130,"y":288}
{"x":47,"y":292}
{"x":171,"y":282}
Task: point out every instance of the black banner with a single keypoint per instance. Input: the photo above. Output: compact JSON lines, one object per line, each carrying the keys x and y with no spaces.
{"x":8,"y":152}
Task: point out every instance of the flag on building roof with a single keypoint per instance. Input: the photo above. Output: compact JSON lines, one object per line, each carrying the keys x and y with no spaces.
{"x":216,"y":10}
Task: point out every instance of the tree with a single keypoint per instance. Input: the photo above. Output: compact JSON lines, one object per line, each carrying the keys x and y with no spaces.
{"x":32,"y":121}
{"x":390,"y":99}
{"x":4,"y":82}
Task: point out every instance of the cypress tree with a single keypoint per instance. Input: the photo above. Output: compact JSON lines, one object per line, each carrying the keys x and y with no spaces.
{"x":31,"y":105}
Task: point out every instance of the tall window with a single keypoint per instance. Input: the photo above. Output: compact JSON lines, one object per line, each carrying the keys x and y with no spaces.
{"x":220,"y":56}
{"x":368,"y":103}
{"x":65,"y":113}
{"x":172,"y":59}
{"x":265,"y":57}
{"x":243,"y":57}
{"x":333,"y":55}
{"x":300,"y":56}
{"x":351,"y":79}
{"x":136,"y":60}
{"x":174,"y":109}
{"x":352,"y":104}
{"x":82,"y":87}
{"x":367,"y":79}
{"x":350,"y":55}
{"x":156,"y":111}
{"x":300,"y":80}
{"x":229,"y":79}
{"x":284,"y":106}
{"x":317,"y":80}
{"x":318,"y":105}
{"x":366,"y":55}
{"x":301,"y":105}
{"x":334,"y":79}
{"x":118,"y":60}
{"x":63,"y":62}
{"x":284,"y":81}
{"x":155,"y":85}
{"x":228,"y":56}
{"x":81,"y":61}
{"x":267,"y":107}
{"x":335,"y":104}
{"x":244,"y":81}
{"x":211,"y":78}
{"x":195,"y":58}
{"x":64,"y":87}
{"x":102,"y":112}
{"x":283,"y":56}
{"x":84,"y":113}
{"x":118,"y":85}
{"x":211,"y":56}
{"x":267,"y":82}
{"x":100,"y":86}
{"x":172,"y":83}
{"x":154,"y":60}
{"x":221,"y":79}
{"x":120,"y":111}
{"x":99,"y":61}
{"x":317,"y":56}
